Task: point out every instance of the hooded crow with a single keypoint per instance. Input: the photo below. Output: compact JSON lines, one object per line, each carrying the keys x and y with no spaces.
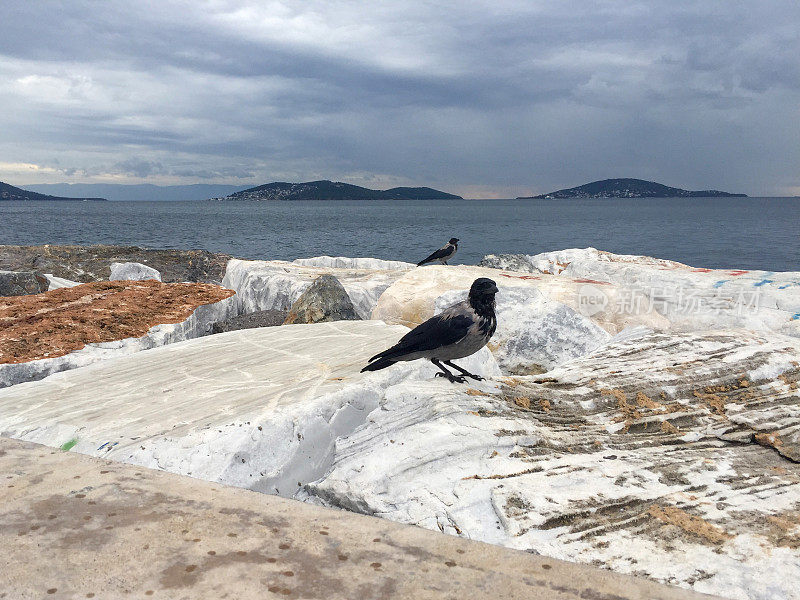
{"x":443,"y":254}
{"x":459,"y":331}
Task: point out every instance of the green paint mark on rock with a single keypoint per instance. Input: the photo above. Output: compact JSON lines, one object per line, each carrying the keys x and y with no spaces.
{"x":69,"y":444}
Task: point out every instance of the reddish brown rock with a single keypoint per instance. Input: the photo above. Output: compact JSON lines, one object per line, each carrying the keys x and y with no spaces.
{"x":64,"y":320}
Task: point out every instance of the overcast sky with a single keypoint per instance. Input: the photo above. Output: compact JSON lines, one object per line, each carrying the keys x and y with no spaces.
{"x":486,"y":99}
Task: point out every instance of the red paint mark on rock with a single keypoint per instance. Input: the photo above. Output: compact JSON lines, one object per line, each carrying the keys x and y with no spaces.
{"x":737,"y":273}
{"x":519,"y":276}
{"x":592,"y":281}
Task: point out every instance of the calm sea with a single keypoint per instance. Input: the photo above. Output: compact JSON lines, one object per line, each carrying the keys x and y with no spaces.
{"x":748,"y":233}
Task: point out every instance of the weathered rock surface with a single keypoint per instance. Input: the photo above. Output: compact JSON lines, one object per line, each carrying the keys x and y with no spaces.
{"x":668,"y":455}
{"x":277,"y":284}
{"x":261,"y":318}
{"x":62,"y":513}
{"x":257,"y":408}
{"x":688,"y":298}
{"x":22,"y":283}
{"x":93,"y":263}
{"x":75,"y":326}
{"x":133,"y":271}
{"x":346,"y":262}
{"x":325,"y":300}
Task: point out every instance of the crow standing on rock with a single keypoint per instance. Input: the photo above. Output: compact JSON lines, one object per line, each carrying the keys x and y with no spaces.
{"x":443,"y":254}
{"x":459,"y":331}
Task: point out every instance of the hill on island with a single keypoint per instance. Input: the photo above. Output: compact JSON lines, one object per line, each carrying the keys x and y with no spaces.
{"x":629,"y":188}
{"x":9,"y":192}
{"x":335,"y":190}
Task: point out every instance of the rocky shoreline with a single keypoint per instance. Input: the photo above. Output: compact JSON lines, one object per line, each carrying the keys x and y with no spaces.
{"x":638,"y":414}
{"x":93,"y":263}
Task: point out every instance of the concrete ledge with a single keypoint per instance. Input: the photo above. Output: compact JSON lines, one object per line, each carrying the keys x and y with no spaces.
{"x":73,"y":526}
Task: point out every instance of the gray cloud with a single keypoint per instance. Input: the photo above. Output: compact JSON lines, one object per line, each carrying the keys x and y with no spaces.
{"x":505,"y":97}
{"x":138,"y":168}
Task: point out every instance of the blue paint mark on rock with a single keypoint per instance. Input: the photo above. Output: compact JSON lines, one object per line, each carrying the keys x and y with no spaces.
{"x":719,"y":284}
{"x":765,"y":278}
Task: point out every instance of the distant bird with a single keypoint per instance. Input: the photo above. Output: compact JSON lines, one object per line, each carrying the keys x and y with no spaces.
{"x":443,"y":254}
{"x":459,"y":331}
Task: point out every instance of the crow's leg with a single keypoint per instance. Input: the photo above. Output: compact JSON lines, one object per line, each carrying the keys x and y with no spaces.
{"x":445,"y":373}
{"x":463,"y":371}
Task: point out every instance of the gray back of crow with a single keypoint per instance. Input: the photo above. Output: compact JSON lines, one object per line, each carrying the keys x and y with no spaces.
{"x":444,"y":329}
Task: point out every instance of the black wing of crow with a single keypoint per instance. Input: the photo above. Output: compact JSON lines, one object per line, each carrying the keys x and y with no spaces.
{"x":440,"y":253}
{"x":436,"y":332}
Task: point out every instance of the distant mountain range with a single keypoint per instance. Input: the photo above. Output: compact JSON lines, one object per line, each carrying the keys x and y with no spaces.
{"x":134,"y":192}
{"x":9,"y":192}
{"x":330,"y":190}
{"x":629,"y":188}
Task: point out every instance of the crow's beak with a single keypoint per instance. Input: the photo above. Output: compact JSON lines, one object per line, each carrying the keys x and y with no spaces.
{"x":494,"y":289}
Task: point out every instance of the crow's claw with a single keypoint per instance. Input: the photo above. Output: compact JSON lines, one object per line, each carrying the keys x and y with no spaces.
{"x":452,"y":378}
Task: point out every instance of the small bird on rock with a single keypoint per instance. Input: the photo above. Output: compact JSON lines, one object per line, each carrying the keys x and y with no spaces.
{"x":457,"y":332}
{"x":443,"y":254}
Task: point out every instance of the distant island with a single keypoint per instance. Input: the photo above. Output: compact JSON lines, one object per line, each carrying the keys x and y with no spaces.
{"x":335,"y":190}
{"x":629,"y":188}
{"x":9,"y":192}
{"x":134,"y":192}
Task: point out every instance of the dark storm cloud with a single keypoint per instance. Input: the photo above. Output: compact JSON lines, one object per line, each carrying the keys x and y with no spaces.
{"x":504,"y":97}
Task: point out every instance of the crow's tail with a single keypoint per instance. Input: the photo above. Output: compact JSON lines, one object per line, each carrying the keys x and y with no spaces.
{"x":423,"y":262}
{"x":379,"y":364}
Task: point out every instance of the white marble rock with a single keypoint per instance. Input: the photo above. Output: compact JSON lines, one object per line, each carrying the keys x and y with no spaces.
{"x":665,"y":455}
{"x":133,"y":271}
{"x":57,"y":283}
{"x":256,"y":408}
{"x":689,"y":298}
{"x":276,"y":284}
